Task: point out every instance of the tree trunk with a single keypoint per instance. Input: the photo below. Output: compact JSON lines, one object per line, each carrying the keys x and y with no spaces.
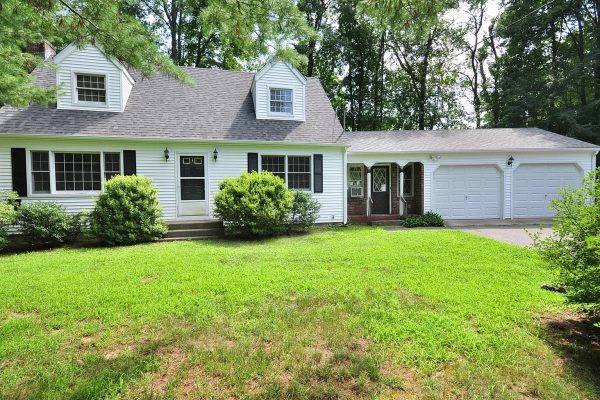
{"x":423,"y":80}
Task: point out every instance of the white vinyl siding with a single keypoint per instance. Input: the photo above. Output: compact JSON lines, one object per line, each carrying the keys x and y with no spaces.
{"x":92,"y":61}
{"x":232,"y":162}
{"x":279,"y":76}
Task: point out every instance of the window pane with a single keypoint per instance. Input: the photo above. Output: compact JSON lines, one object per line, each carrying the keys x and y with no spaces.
{"x":408,"y":180}
{"x":275,"y":165}
{"x":40,"y":171}
{"x":191,"y":166}
{"x":91,"y":88}
{"x":281,"y":100}
{"x":77,"y":171}
{"x":299,"y":172}
{"x":192,"y":189}
{"x":112,"y":165}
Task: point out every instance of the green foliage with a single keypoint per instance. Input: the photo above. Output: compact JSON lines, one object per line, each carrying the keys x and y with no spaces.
{"x":128,"y":211}
{"x":8,"y":214}
{"x":573,"y":250}
{"x":45,"y":223}
{"x":254,"y":204}
{"x":304,"y":213}
{"x":428,"y":219}
{"x":103,"y":22}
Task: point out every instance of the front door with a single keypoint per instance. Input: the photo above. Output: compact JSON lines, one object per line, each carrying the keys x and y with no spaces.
{"x":380,"y":190}
{"x":192,"y":185}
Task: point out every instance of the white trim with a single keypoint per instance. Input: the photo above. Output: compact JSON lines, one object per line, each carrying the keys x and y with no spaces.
{"x":412,"y":182}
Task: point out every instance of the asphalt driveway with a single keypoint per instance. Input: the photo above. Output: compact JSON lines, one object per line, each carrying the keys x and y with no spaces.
{"x":517,"y":233}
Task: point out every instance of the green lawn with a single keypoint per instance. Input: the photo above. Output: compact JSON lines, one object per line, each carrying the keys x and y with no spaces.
{"x":347,"y":313}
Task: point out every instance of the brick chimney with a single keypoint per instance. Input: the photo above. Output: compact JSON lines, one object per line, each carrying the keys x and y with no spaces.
{"x":44,"y":49}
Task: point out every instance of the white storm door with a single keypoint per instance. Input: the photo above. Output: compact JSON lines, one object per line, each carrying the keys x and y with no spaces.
{"x":191,"y":185}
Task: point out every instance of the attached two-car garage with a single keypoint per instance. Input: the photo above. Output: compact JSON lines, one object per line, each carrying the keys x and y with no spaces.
{"x":477,"y":191}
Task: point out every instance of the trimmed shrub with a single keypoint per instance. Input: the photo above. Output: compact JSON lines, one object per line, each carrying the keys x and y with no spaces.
{"x":254,"y":204}
{"x":127,"y":212}
{"x":44,"y":223}
{"x":304,"y":213}
{"x":428,"y":219}
{"x":8,"y":214}
{"x":573,"y":249}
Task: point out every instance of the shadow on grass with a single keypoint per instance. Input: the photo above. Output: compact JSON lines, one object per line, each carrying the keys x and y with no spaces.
{"x":578,"y":341}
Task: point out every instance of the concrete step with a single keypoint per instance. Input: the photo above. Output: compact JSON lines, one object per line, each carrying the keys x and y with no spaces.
{"x":198,"y":224}
{"x":178,"y":239}
{"x":196,"y":232}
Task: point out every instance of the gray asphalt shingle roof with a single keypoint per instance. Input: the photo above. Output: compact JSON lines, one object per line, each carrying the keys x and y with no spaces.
{"x":219,"y":107}
{"x":459,"y":140}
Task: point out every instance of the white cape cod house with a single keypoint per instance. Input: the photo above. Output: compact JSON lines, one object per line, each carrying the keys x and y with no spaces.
{"x":187,"y":139}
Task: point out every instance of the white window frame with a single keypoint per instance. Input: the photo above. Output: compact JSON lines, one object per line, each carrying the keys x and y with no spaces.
{"x":76,"y":100}
{"x":362,"y":181}
{"x":275,"y":113}
{"x":51,"y":160}
{"x":287,"y":180}
{"x":412,"y":181}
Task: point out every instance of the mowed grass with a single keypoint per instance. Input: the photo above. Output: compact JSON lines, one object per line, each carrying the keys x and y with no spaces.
{"x":346,"y":313}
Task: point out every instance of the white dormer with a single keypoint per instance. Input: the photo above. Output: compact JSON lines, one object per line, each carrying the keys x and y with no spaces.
{"x":279,"y":92}
{"x":89,"y":80}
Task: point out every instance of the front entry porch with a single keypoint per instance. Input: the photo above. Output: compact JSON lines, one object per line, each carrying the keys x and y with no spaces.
{"x":384,"y":191}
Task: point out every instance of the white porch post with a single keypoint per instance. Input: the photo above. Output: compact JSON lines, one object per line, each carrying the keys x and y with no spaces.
{"x":401,"y":188}
{"x":369,"y":165}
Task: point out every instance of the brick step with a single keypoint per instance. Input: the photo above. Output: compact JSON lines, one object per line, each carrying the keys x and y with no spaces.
{"x":389,"y":222}
{"x":186,"y":225}
{"x":195,"y":232}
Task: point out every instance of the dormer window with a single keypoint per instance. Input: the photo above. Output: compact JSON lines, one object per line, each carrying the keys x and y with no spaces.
{"x":281,"y":101}
{"x":91,"y":88}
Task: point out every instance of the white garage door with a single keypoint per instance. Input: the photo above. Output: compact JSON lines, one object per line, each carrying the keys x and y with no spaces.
{"x":534,"y":185}
{"x":467,"y":192}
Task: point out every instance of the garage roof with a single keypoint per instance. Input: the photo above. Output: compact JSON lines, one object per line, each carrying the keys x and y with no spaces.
{"x":455,"y":140}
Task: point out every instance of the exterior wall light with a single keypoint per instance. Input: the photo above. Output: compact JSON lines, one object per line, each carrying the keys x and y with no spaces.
{"x":510,"y":161}
{"x":435,"y":157}
{"x":215,"y":155}
{"x":166,"y":152}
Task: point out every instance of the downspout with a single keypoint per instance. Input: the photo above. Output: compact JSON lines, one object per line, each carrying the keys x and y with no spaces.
{"x":345,"y":185}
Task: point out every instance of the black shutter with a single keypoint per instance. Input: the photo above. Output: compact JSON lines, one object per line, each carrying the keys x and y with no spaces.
{"x":129,"y":163}
{"x":318,"y":166}
{"x":252,"y":162}
{"x":18,"y":163}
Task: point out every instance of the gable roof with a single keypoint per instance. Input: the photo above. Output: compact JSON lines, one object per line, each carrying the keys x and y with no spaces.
{"x":272,"y":63}
{"x":456,"y":140}
{"x":219,"y":107}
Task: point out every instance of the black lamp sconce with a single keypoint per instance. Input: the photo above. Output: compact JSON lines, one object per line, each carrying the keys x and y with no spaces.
{"x":215,"y":155}
{"x":166,"y":153}
{"x":510,"y":161}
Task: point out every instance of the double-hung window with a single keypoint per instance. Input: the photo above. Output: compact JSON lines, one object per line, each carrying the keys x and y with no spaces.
{"x":91,"y":88}
{"x":281,"y":101}
{"x":295,"y":170}
{"x":355,"y":180}
{"x":72,"y":171}
{"x":40,"y":172}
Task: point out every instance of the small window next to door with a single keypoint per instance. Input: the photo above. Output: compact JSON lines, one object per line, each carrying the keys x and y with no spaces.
{"x":191,"y":173}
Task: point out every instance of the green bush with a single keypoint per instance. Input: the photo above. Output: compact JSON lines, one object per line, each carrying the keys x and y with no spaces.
{"x":428,"y":219}
{"x":254,"y":204}
{"x":128,"y":211}
{"x":44,"y":223}
{"x":8,"y":214}
{"x":304,"y":213}
{"x":573,"y":249}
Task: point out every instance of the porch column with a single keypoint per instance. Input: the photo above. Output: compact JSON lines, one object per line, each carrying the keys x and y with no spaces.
{"x":368,"y":165}
{"x":401,"y":188}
